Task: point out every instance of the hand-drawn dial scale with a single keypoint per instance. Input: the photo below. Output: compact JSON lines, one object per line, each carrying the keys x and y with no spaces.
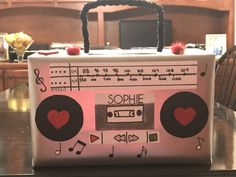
{"x":74,"y":76}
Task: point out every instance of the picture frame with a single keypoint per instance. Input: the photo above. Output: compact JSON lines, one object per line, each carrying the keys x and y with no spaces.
{"x":216,"y":43}
{"x":3,"y":48}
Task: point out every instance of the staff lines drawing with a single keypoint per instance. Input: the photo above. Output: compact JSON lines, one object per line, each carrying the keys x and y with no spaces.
{"x":69,"y":75}
{"x":128,"y":75}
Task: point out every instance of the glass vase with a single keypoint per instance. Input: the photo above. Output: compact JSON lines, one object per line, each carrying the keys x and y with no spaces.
{"x":20,"y":52}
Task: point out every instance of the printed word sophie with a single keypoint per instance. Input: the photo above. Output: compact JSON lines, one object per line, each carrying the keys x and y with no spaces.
{"x":125,"y":99}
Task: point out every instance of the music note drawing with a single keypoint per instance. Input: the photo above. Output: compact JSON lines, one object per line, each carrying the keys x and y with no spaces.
{"x":82,"y":146}
{"x":58,"y":151}
{"x":203,"y":73}
{"x":200,"y":141}
{"x":143,"y":152}
{"x":111,"y":155}
{"x":39,"y":80}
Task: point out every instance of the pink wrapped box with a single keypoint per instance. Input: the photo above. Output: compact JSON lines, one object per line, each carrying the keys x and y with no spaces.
{"x":121,"y":107}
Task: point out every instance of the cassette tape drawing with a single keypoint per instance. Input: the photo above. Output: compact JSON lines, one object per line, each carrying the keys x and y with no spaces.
{"x":118,"y":115}
{"x":157,"y":111}
{"x":125,"y":113}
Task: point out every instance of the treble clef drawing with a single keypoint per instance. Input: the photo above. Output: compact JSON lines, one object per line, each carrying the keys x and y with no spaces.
{"x":39,"y":80}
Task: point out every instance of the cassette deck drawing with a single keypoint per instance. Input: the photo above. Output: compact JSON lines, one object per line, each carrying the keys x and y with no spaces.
{"x":155,"y":108}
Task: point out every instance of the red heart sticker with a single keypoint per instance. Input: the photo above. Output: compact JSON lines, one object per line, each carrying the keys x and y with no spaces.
{"x":184,"y":116}
{"x":58,"y":119}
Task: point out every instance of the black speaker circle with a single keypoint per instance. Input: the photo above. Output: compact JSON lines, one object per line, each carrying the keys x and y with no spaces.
{"x":60,"y":107}
{"x":187,"y":106}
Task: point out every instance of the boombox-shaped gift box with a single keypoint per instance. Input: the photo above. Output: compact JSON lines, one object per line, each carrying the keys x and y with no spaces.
{"x":121,"y":106}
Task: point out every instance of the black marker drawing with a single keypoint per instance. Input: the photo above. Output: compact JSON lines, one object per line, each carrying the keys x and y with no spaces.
{"x":58,"y":151}
{"x":184,"y":114}
{"x":121,"y":138}
{"x":123,"y":117}
{"x":143,"y":152}
{"x":200,"y":141}
{"x":111,"y":155}
{"x":39,"y":80}
{"x":132,"y":138}
{"x":106,"y":76}
{"x":203,"y":73}
{"x":59,"y":122}
{"x":78,"y":142}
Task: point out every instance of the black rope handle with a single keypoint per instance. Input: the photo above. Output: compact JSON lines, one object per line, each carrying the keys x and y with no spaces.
{"x":91,"y":5}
